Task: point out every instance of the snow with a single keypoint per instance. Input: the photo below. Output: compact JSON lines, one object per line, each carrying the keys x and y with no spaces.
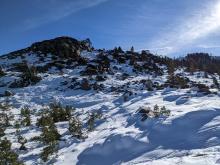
{"x":190,"y":136}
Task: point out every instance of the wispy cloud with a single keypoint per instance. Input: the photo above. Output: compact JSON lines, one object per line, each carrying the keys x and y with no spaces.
{"x":55,"y":10}
{"x":202,"y":24}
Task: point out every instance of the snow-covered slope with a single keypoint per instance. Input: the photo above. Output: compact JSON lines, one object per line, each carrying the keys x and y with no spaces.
{"x":189,"y":135}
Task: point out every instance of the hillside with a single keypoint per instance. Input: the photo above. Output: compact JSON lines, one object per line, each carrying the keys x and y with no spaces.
{"x":80,"y":105}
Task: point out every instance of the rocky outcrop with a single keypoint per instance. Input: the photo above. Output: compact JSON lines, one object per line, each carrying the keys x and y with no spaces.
{"x":64,"y":47}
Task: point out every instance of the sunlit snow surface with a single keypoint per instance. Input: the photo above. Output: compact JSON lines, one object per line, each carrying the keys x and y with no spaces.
{"x":190,"y":136}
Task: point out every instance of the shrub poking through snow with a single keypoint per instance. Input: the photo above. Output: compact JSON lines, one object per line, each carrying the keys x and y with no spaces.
{"x":5,"y":115}
{"x":50,"y":149}
{"x":7,"y":156}
{"x":17,"y":126}
{"x":55,"y":112}
{"x":164,"y":111}
{"x":176,"y":81}
{"x":126,"y":95}
{"x":2,"y":131}
{"x":75,"y":127}
{"x":215,"y":82}
{"x":156,"y":111}
{"x":2,"y":73}
{"x":28,"y":77}
{"x":26,"y":116}
{"x":50,"y":138}
{"x":4,"y":121}
{"x":202,"y":88}
{"x":59,"y":112}
{"x":146,"y":112}
{"x":92,"y":119}
{"x":22,"y":141}
{"x":44,"y":120}
{"x":49,"y":135}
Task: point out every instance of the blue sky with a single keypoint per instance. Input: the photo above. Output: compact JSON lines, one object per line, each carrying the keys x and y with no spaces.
{"x":167,"y":27}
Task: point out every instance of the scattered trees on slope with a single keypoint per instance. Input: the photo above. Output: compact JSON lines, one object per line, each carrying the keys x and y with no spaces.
{"x":156,"y":112}
{"x":7,"y":155}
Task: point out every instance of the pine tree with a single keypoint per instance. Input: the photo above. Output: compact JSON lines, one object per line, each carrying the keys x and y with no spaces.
{"x":26,"y":116}
{"x":7,"y":156}
{"x":50,"y":134}
{"x":75,"y":127}
{"x":5,"y":115}
{"x":45,"y":119}
{"x":60,"y":113}
{"x":215,"y":82}
{"x":49,"y":150}
{"x":91,"y":122}
{"x":2,"y":131}
{"x":156,"y":111}
{"x":50,"y":138}
{"x":164,"y":111}
{"x":120,"y":50}
{"x":132,"y":49}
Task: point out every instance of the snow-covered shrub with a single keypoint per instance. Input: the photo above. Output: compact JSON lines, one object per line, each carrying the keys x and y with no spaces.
{"x":164,"y":111}
{"x":202,"y":88}
{"x":215,"y":82}
{"x":56,"y":112}
{"x":17,"y":126}
{"x":25,"y":116}
{"x":44,"y":120}
{"x":28,"y":77}
{"x":2,"y":130}
{"x":49,"y":150}
{"x":75,"y":127}
{"x":149,"y":85}
{"x":59,"y":112}
{"x":50,"y":134}
{"x":92,"y":119}
{"x":50,"y":138}
{"x":5,"y":115}
{"x":127,"y":94}
{"x":7,"y":155}
{"x":2,"y":73}
{"x":22,"y":142}
{"x":90,"y":70}
{"x":156,"y":111}
{"x":176,"y":81}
